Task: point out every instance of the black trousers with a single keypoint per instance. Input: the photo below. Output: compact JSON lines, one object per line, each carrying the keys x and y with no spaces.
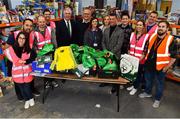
{"x":32,"y":86}
{"x":9,"y":68}
{"x":23,"y":91}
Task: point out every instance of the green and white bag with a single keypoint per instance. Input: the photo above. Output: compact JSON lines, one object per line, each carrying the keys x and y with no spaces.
{"x":129,"y":67}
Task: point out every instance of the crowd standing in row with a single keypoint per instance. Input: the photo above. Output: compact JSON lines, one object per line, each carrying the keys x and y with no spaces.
{"x":150,"y":42}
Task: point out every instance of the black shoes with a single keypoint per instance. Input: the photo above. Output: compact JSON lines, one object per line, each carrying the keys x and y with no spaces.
{"x":113,"y":90}
{"x":51,"y":83}
{"x":36,"y":93}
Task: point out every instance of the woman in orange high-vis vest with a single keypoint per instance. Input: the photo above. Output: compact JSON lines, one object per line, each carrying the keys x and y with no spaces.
{"x":159,"y":58}
{"x":21,"y":55}
{"x":137,"y":42}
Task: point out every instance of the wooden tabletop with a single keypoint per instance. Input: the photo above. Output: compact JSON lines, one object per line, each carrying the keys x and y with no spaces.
{"x":73,"y":77}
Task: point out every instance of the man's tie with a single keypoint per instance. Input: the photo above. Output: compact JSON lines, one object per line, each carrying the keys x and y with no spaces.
{"x":68,"y":26}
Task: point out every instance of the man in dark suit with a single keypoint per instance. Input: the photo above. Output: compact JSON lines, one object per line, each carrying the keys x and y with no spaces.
{"x":66,"y":29}
{"x":83,"y":24}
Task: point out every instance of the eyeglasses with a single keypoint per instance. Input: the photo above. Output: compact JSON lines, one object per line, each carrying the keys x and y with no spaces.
{"x":22,"y":38}
{"x":47,"y":14}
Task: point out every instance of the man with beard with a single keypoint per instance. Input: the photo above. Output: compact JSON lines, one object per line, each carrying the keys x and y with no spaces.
{"x":47,"y":15}
{"x":160,"y":57}
{"x":28,"y":29}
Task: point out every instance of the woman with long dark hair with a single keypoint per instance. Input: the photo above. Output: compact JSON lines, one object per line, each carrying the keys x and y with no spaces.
{"x":21,"y":56}
{"x":93,"y":35}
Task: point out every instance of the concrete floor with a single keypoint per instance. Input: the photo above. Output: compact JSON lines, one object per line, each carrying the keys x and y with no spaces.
{"x":78,"y":99}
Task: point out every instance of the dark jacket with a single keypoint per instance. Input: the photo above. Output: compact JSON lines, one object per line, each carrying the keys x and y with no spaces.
{"x":93,"y":38}
{"x":82,"y":27}
{"x":127,"y":33}
{"x":115,"y":42}
{"x":62,"y":35}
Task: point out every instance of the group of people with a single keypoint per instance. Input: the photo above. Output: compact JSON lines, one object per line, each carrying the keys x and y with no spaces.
{"x":149,"y":41}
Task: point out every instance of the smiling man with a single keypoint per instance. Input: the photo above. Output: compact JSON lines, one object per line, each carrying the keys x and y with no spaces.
{"x":160,"y":57}
{"x":151,"y":25}
{"x":127,"y":28}
{"x":47,"y":15}
{"x":66,"y":29}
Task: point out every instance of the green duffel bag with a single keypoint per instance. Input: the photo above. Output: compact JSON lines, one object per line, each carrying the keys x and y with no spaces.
{"x":111,"y":66}
{"x":46,"y":49}
{"x":88,"y":61}
{"x":77,"y":52}
{"x":101,"y":61}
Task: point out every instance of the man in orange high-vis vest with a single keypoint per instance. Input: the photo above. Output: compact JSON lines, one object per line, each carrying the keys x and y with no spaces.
{"x":160,"y":57}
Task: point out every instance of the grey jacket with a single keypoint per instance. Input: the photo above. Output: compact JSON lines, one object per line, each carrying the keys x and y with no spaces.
{"x":113,"y":43}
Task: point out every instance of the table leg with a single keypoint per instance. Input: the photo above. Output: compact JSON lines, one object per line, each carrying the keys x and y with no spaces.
{"x":117,"y":94}
{"x":44,"y":90}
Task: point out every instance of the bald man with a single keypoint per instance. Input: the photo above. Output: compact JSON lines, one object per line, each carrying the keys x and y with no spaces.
{"x":43,"y":34}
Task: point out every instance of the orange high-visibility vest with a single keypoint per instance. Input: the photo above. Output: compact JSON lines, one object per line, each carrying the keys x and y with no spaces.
{"x":20,"y":72}
{"x":163,"y":55}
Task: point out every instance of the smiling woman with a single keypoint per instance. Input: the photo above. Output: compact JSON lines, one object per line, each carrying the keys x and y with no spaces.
{"x":21,"y":56}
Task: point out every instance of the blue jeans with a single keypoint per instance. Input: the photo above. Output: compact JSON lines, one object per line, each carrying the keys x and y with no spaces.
{"x":140,"y":77}
{"x":159,"y":77}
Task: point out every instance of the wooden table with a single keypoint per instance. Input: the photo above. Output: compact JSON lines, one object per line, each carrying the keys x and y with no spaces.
{"x":118,"y":82}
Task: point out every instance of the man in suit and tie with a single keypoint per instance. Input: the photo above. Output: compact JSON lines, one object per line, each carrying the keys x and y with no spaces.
{"x":65,"y":29}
